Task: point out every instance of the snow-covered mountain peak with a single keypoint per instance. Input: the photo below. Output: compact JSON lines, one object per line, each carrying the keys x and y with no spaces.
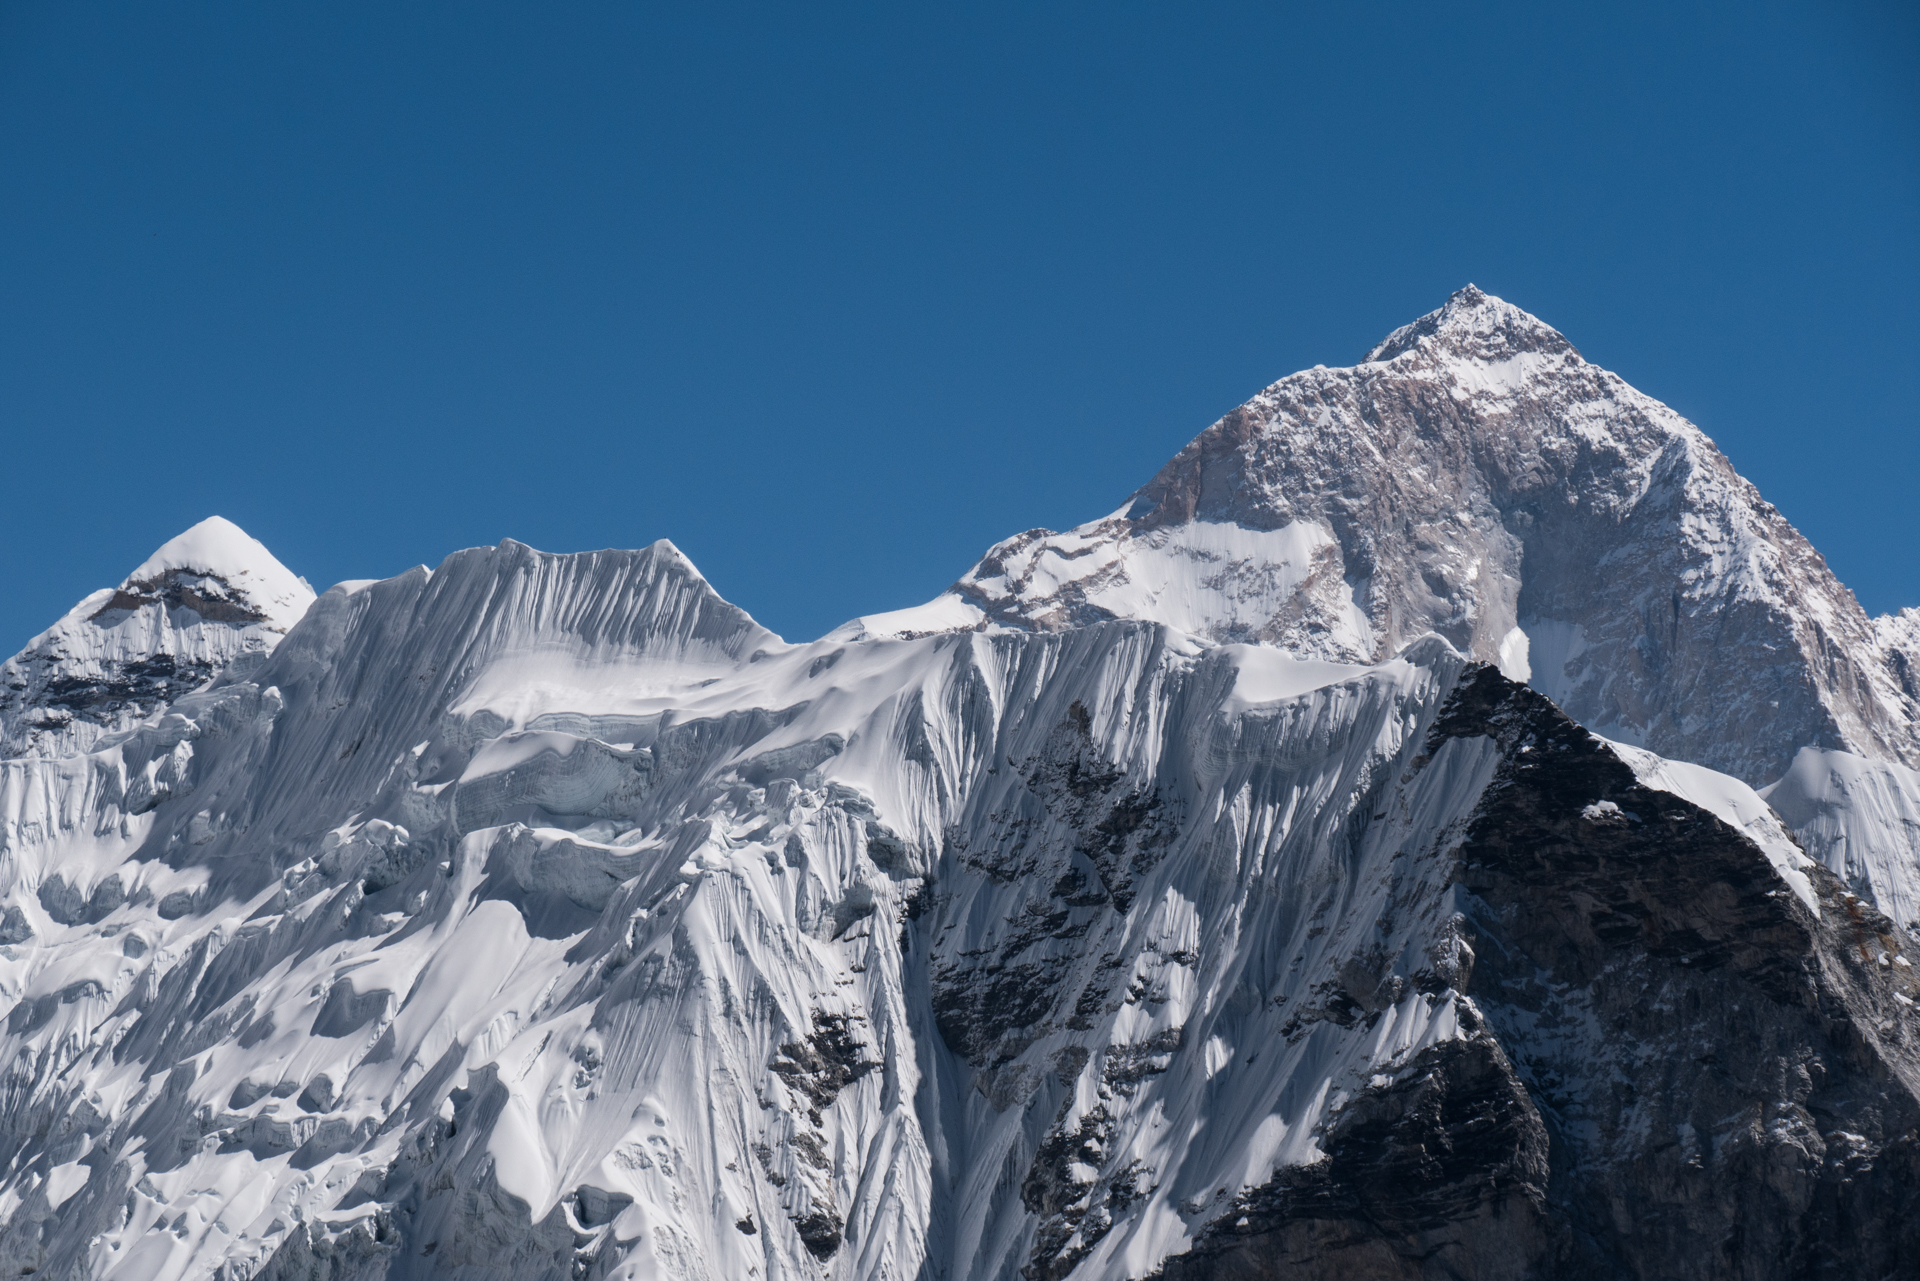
{"x":217,"y":570}
{"x":1474,"y":325}
{"x":1476,"y":478}
{"x":653,"y":600}
{"x":518,"y":634}
{"x":206,"y":600}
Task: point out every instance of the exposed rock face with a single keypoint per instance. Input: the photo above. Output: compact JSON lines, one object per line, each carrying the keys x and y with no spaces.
{"x":1474,"y":475}
{"x":1445,"y":1166}
{"x":207,"y":601}
{"x":546,"y":917}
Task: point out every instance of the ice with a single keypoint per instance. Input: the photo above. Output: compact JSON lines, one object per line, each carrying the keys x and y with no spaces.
{"x":1859,"y":817}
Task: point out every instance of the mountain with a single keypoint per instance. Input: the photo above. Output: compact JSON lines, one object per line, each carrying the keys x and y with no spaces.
{"x":1164,"y":901}
{"x":1474,"y":477}
{"x":210,"y":600}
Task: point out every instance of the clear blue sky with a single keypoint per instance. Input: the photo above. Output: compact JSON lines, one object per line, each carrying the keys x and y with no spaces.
{"x":834,"y":296}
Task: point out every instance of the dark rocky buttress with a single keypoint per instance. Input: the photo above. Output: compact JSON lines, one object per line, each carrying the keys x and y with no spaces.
{"x":1680,"y":1070}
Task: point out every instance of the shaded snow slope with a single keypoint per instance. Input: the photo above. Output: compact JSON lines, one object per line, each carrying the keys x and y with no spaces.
{"x":544,"y":916}
{"x":1475,"y":477}
{"x":204,"y":602}
{"x":1861,"y":818}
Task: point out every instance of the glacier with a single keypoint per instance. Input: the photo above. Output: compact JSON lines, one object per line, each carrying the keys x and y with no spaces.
{"x":1220,"y":889}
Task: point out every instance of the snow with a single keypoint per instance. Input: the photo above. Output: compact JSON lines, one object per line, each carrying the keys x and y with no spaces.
{"x":64,"y":1181}
{"x":509,"y":750}
{"x":1513,"y":657}
{"x":1212,"y":580}
{"x":1414,"y":1024}
{"x":1551,"y":649}
{"x":944,"y":613}
{"x":1264,"y":675}
{"x":1859,"y":817}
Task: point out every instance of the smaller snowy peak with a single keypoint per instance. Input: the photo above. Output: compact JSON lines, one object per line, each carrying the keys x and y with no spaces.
{"x":515,"y":633}
{"x":214,"y":572}
{"x":223,"y":574}
{"x":209,"y":599}
{"x":654,"y":600}
{"x":1475,"y":325}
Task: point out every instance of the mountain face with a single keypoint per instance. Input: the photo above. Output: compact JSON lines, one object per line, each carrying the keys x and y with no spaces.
{"x":207,"y":601}
{"x":1170,"y":899}
{"x":1475,"y":478}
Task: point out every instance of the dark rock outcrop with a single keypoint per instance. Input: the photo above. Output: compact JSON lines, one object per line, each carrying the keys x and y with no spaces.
{"x":1680,"y":1070}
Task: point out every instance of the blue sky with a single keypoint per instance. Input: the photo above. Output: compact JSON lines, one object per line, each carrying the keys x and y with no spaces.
{"x":834,"y":296}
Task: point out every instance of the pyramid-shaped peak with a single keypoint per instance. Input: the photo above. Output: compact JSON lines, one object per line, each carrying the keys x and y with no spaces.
{"x":1475,"y":325}
{"x":214,"y":546}
{"x":668,"y":552}
{"x":210,"y":601}
{"x":218,"y":548}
